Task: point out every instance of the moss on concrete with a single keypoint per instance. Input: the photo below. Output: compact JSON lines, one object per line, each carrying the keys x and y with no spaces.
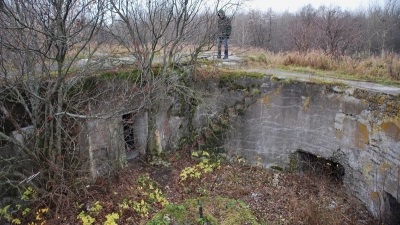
{"x":131,"y":75}
{"x":380,"y":103}
{"x":232,"y":74}
{"x":306,"y":103}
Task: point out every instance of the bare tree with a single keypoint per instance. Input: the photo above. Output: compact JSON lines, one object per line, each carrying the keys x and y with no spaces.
{"x":383,"y":24}
{"x":303,"y":29}
{"x":45,"y":98}
{"x":40,"y":42}
{"x":337,"y":31}
{"x":165,"y":33}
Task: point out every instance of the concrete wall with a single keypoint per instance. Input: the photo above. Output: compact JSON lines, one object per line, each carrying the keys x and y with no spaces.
{"x":358,"y":129}
{"x":271,"y":119}
{"x":104,"y":138}
{"x":106,"y":145}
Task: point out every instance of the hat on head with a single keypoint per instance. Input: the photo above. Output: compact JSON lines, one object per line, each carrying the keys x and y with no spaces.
{"x":221,"y":12}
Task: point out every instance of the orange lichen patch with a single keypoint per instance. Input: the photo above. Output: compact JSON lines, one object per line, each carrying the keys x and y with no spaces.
{"x":361,"y":136}
{"x":367,"y":171}
{"x":384,"y":168}
{"x":266,"y":100}
{"x":391,"y":129}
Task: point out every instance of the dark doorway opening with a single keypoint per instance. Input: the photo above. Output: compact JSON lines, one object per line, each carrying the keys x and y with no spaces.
{"x":308,"y":162}
{"x":392,"y":210}
{"x":129,"y":136}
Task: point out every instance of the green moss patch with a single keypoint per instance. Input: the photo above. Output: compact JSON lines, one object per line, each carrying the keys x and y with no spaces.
{"x":231,"y":74}
{"x":123,"y":74}
{"x":216,"y":210}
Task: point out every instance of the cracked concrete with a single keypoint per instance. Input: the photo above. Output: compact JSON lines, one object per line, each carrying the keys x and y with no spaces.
{"x":316,"y":118}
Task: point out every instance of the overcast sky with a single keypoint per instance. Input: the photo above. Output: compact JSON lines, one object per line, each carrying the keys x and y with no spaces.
{"x":294,"y":5}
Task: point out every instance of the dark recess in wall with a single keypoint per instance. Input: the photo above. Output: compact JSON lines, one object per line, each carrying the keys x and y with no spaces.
{"x":308,"y":162}
{"x":392,"y":210}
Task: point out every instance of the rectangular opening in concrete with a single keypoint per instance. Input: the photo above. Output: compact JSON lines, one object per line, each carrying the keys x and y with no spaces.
{"x":129,"y":136}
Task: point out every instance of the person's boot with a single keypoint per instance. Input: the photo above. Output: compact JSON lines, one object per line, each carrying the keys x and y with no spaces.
{"x":219,"y":54}
{"x":226,"y":54}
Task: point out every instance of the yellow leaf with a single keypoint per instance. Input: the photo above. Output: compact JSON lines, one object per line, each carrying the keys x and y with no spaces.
{"x":16,"y":221}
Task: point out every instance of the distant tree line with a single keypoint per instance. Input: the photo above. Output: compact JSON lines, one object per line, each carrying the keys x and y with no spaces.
{"x":375,"y":30}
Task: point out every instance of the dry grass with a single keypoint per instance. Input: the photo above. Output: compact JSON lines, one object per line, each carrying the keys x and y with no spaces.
{"x":98,"y":49}
{"x":381,"y":69}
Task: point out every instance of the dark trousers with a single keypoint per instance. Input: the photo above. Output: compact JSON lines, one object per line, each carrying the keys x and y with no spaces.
{"x":224,"y":41}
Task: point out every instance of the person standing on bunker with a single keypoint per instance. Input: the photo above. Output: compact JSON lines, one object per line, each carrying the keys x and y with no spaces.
{"x":224,"y":32}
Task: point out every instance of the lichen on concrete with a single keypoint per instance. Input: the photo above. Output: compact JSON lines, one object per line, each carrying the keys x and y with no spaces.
{"x":392,"y":129}
{"x":361,"y":136}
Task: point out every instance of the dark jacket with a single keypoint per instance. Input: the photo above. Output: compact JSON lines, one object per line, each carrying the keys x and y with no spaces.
{"x":224,"y":26}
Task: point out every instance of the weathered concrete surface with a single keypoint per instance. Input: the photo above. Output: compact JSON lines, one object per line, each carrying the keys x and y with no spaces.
{"x":358,"y":127}
{"x":356,"y":124}
{"x":106,"y":145}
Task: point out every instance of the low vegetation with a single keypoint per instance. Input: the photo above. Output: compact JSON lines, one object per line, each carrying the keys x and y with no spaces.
{"x":379,"y":69}
{"x":206,"y":210}
{"x":197,"y":188}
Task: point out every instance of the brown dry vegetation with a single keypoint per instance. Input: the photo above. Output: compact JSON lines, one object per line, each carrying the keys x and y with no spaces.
{"x":273,"y":197}
{"x":380,"y":69}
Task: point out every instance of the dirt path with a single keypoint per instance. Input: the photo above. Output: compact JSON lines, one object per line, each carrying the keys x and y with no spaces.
{"x":281,"y":74}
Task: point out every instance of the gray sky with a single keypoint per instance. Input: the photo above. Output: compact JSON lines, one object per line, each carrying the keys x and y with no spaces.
{"x":294,"y":5}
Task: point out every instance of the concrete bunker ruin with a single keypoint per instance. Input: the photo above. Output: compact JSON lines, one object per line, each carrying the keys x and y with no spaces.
{"x":354,"y":130}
